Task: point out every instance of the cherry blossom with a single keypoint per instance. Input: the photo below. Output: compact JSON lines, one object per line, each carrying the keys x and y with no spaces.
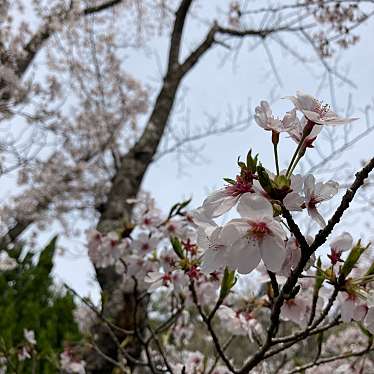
{"x":24,"y":354}
{"x":70,"y":365}
{"x":295,"y":310}
{"x":297,"y":133}
{"x":341,"y":243}
{"x":315,"y":111}
{"x":105,"y":250}
{"x":7,"y":262}
{"x":264,"y":118}
{"x":351,"y":307}
{"x":255,"y":236}
{"x":158,"y":279}
{"x":29,"y":336}
{"x":240,"y":323}
{"x":316,"y":193}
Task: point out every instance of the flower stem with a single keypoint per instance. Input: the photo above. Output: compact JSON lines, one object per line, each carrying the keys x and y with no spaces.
{"x":276,"y":157}
{"x":307,"y":130}
{"x":290,"y":168}
{"x":296,"y":162}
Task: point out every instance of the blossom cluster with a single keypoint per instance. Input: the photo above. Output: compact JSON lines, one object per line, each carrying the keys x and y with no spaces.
{"x":194,"y":258}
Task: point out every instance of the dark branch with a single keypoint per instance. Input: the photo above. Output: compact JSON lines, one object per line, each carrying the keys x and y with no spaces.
{"x":176,"y":36}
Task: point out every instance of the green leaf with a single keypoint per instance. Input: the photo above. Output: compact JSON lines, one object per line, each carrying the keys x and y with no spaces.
{"x":320,"y":277}
{"x":228,"y":281}
{"x":230,"y":181}
{"x":252,"y":161}
{"x":264,"y":179}
{"x":177,"y":246}
{"x":352,"y":259}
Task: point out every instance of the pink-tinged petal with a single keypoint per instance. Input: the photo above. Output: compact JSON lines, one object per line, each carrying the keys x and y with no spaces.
{"x":359,"y":312}
{"x":326,"y":191}
{"x":293,"y":201}
{"x":254,"y":206}
{"x":218,"y":203}
{"x":346,"y":309}
{"x":343,"y":242}
{"x":297,"y":182}
{"x":332,"y":119}
{"x":202,"y":238}
{"x":294,"y":310}
{"x":214,"y":259}
{"x":293,"y":256}
{"x":154,"y":286}
{"x":369,"y":320}
{"x":244,"y":255}
{"x":200,"y":218}
{"x":303,"y":101}
{"x":309,"y":186}
{"x":313,"y":116}
{"x":233,"y":230}
{"x":316,"y":216}
{"x":273,"y":252}
{"x":276,"y":229}
{"x":289,"y":121}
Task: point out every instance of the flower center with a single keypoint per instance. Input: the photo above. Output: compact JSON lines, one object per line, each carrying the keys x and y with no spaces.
{"x":321,"y":108}
{"x":242,"y":185}
{"x":259,"y":229}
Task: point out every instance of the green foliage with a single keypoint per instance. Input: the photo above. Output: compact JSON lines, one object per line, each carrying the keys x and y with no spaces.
{"x":29,"y":300}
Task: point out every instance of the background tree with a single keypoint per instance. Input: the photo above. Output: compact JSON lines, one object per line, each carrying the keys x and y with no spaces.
{"x":30,"y":302}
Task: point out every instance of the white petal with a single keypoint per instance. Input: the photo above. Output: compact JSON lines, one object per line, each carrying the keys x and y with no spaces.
{"x":214,"y":260}
{"x":153,"y":276}
{"x":326,"y":191}
{"x":244,"y":256}
{"x":273,"y":252}
{"x":200,"y":218}
{"x":347,"y":308}
{"x":313,"y":212}
{"x":309,"y":185}
{"x":254,"y":206}
{"x":276,"y":228}
{"x":343,"y":242}
{"x":369,"y":320}
{"x":359,"y":312}
{"x":234,"y":230}
{"x":293,"y":201}
{"x":297,"y":182}
{"x":218,"y":203}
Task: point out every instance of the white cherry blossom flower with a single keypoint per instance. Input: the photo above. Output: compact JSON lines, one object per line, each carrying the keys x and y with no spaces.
{"x":315,"y":111}
{"x":69,"y":365}
{"x":240,"y":323}
{"x":217,"y":250}
{"x":297,"y":131}
{"x":29,"y":336}
{"x":316,"y":193}
{"x":369,"y":320}
{"x":105,"y":249}
{"x":144,"y":243}
{"x":23,"y":354}
{"x":222,"y":200}
{"x":294,"y":310}
{"x":255,"y":236}
{"x":157,"y":280}
{"x":351,"y":307}
{"x":265,"y":119}
{"x":7,"y":262}
{"x":340,"y":244}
